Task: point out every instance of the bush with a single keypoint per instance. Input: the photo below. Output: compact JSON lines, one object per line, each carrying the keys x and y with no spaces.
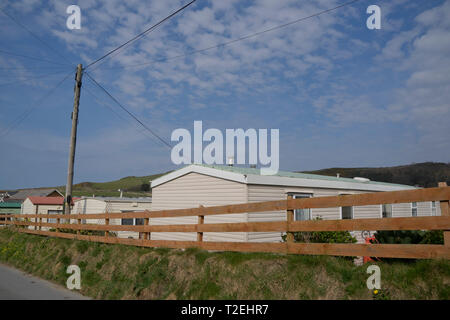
{"x":322,"y":236}
{"x":86,"y":232}
{"x":410,"y":237}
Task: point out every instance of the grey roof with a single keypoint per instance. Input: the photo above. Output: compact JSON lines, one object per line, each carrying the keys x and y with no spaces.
{"x":22,"y":194}
{"x":123,"y":199}
{"x":288,"y":174}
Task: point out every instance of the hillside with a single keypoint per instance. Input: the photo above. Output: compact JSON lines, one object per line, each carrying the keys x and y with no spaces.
{"x":426,"y":174}
{"x":132,"y":187}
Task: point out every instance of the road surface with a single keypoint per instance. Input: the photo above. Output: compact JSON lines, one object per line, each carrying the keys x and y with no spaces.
{"x":17,"y":285}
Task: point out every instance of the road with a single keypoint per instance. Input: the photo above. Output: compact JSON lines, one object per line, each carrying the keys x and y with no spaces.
{"x":17,"y":285}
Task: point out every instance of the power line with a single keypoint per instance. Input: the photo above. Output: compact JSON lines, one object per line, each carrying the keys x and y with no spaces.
{"x":252,"y":35}
{"x":127,"y":111}
{"x":27,"y":112}
{"x":29,"y":57}
{"x":141,"y":34}
{"x":116,"y":113}
{"x":34,"y":35}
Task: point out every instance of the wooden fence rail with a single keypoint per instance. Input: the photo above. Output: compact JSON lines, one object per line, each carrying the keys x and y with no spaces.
{"x":442,"y":194}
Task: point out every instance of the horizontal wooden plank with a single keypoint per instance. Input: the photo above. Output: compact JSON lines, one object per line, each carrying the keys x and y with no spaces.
{"x":410,"y":223}
{"x":408,"y":251}
{"x":404,"y":196}
{"x":363,"y":199}
{"x":414,"y":251}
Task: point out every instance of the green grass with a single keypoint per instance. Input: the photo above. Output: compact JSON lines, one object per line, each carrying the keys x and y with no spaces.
{"x":111,"y":271}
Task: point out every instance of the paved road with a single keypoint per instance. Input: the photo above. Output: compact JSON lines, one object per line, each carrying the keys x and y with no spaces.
{"x":17,"y":285}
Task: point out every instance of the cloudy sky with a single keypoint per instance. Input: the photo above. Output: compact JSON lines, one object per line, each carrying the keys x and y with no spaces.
{"x":340,"y":94}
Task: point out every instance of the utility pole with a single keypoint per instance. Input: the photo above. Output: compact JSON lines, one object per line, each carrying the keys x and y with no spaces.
{"x":73,"y":139}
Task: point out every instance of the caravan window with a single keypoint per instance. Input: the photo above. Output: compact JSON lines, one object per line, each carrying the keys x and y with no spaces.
{"x":347,"y":212}
{"x":414,"y":209}
{"x":53,"y":220}
{"x":302,"y":214}
{"x":127,"y":222}
{"x":387,"y":210}
{"x":433,"y":208}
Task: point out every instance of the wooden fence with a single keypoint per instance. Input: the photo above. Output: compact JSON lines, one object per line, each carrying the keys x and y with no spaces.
{"x":419,"y":251}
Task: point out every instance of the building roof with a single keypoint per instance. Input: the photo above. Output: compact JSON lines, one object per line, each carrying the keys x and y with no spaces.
{"x":10,"y":204}
{"x":119,"y":199}
{"x":282,"y":178}
{"x":22,"y":194}
{"x":48,"y":200}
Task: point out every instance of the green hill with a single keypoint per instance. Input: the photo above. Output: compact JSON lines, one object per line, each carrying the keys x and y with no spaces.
{"x":426,"y":174}
{"x":132,"y":187}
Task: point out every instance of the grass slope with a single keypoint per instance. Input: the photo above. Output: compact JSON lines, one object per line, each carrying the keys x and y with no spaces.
{"x":126,"y":272}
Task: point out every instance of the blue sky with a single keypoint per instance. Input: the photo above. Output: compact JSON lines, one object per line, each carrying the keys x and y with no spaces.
{"x":341,"y":94}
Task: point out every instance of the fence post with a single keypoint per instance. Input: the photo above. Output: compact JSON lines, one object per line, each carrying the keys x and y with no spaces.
{"x":445,"y":211}
{"x":201,"y":220}
{"x":147,"y":234}
{"x":78,"y":222}
{"x":290,"y":218}
{"x":36,"y":219}
{"x":107,"y":224}
{"x":58,"y":221}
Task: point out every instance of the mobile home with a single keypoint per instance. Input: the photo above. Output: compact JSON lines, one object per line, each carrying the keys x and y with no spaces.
{"x":90,"y":205}
{"x":213,"y":185}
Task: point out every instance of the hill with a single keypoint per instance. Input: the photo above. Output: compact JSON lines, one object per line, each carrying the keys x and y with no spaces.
{"x":131,"y":186}
{"x":426,"y":174}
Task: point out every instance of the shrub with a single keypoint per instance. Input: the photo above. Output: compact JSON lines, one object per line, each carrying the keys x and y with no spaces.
{"x":410,"y":237}
{"x":86,"y":232}
{"x":322,"y":236}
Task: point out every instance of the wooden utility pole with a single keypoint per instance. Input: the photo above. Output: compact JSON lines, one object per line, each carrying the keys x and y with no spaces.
{"x":73,"y":139}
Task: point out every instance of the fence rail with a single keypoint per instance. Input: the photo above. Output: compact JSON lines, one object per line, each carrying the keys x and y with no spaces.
{"x":441,"y":194}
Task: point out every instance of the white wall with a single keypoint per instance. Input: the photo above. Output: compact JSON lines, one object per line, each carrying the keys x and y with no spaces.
{"x":191,"y":191}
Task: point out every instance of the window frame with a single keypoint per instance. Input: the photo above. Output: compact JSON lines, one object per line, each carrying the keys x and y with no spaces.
{"x":302,"y":195}
{"x":382,"y":211}
{"x":433,"y":208}
{"x":134,"y":219}
{"x":352,"y":208}
{"x":352,"y":213}
{"x":53,"y":220}
{"x":414,"y":207}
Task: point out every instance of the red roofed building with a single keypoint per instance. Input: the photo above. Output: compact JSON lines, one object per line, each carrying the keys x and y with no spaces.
{"x":48,"y":200}
{"x":43,"y":205}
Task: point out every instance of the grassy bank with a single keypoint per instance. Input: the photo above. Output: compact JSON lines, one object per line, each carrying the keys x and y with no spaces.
{"x":126,"y":272}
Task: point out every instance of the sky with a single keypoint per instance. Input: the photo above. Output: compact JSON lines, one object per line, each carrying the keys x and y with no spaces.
{"x":340,"y":94}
